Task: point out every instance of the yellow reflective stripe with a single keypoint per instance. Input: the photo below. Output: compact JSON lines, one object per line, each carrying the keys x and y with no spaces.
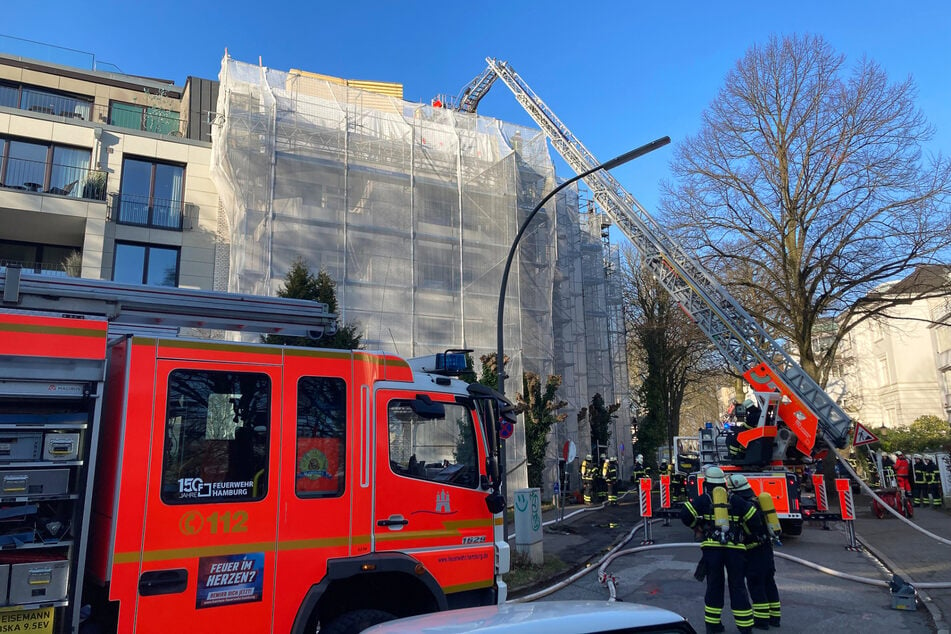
{"x":404,"y":534}
{"x":325,"y":542}
{"x":190,"y":553}
{"x":71,"y":331}
{"x":472,"y":585}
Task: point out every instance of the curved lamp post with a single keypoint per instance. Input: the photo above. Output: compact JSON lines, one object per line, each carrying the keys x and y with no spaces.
{"x":499,"y":358}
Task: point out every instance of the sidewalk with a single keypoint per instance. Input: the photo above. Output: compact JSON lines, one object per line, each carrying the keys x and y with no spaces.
{"x":585,"y":535}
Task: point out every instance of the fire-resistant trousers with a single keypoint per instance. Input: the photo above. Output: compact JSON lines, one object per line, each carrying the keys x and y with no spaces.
{"x":726,"y":566}
{"x":761,"y":581}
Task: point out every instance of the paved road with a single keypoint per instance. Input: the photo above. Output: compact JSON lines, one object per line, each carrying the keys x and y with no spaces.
{"x":813,"y":601}
{"x":911,"y":554}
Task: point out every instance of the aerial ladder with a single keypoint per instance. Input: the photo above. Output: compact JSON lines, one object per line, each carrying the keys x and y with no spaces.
{"x":804,"y":406}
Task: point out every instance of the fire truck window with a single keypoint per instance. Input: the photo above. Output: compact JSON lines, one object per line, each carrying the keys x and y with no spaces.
{"x":321,"y":437}
{"x":441,"y":449}
{"x":216,"y":437}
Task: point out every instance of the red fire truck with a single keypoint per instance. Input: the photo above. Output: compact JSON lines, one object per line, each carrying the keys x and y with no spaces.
{"x":152,"y":481}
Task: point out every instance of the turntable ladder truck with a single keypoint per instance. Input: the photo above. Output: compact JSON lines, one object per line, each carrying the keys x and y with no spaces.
{"x":805,"y":408}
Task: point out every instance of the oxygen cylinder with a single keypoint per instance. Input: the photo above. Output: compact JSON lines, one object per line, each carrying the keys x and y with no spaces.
{"x":769,"y":513}
{"x":721,"y":512}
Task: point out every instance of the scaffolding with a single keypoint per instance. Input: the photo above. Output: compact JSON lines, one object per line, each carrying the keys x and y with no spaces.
{"x":411,"y":209}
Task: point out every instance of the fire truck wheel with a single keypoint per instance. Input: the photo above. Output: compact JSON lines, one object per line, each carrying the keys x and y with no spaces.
{"x":356,"y":621}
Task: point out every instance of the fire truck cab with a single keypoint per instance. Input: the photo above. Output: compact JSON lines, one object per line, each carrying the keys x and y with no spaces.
{"x":228,"y":486}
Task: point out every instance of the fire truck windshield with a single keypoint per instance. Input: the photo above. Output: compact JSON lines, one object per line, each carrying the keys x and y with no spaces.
{"x":440,"y":449}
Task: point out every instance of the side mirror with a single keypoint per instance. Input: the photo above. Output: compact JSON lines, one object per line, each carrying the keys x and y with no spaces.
{"x":495,"y":503}
{"x":426,"y":407}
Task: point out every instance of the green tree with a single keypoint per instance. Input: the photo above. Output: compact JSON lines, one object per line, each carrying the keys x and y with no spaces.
{"x":806,"y":189}
{"x":300,"y":283}
{"x":670,"y":354}
{"x":600,"y":415}
{"x":926,"y":433}
{"x":540,"y":404}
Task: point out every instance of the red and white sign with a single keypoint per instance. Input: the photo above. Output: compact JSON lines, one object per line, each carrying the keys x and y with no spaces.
{"x":645,"y":498}
{"x":863,"y":436}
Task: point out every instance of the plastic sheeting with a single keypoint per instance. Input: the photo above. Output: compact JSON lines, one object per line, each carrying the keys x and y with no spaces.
{"x":412,"y":209}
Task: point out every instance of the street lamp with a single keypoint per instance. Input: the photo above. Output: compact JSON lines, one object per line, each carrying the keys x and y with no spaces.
{"x":499,"y":357}
{"x":619,"y":160}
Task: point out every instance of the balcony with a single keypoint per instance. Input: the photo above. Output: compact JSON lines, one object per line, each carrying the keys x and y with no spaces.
{"x":147,"y":211}
{"x":146,"y":118}
{"x":50,"y":178}
{"x":67,"y":268}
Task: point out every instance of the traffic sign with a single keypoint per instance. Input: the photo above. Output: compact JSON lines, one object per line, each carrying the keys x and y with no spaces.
{"x":863,"y":436}
{"x":506,"y":429}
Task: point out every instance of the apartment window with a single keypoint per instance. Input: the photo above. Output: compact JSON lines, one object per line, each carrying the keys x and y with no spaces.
{"x":151,"y":194}
{"x":9,"y":96}
{"x":47,"y":259}
{"x":53,"y":169}
{"x":883,"y":379}
{"x":147,"y":118}
{"x":145,"y":264}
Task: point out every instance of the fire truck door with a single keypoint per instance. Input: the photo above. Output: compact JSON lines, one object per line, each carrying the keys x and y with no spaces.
{"x":429,"y":501}
{"x":208,"y":550}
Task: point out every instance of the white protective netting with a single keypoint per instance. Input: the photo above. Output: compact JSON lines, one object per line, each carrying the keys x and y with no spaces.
{"x":411,"y":209}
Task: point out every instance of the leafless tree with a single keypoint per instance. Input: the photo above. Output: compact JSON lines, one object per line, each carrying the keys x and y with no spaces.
{"x":806,"y":189}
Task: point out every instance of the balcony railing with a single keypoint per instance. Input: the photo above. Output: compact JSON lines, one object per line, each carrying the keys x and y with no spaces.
{"x":52,"y":178}
{"x":147,"y":211}
{"x":145,"y":118}
{"x":53,"y":269}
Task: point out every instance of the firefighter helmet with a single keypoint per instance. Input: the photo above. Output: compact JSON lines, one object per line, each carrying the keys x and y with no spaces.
{"x":714,"y":475}
{"x":604,"y":456}
{"x":898,"y":453}
{"x":917,"y":456}
{"x":737,"y":482}
{"x":588,"y":458}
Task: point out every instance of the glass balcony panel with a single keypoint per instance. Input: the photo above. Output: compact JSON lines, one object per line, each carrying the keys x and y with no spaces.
{"x":161,"y":121}
{"x":133,"y":209}
{"x":125,"y":116}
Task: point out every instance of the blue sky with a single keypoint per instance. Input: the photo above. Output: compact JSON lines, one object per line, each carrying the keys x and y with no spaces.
{"x":618,"y":74}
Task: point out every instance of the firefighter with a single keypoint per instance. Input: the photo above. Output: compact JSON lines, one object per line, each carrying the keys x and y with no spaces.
{"x":721,"y":552}
{"x":639,"y":470}
{"x":901,"y":473}
{"x":609,"y":471}
{"x":919,"y":481}
{"x":760,"y":564}
{"x":748,"y":420}
{"x":587,"y":478}
{"x":888,"y":470}
{"x":599,"y":483}
{"x":933,"y":482}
